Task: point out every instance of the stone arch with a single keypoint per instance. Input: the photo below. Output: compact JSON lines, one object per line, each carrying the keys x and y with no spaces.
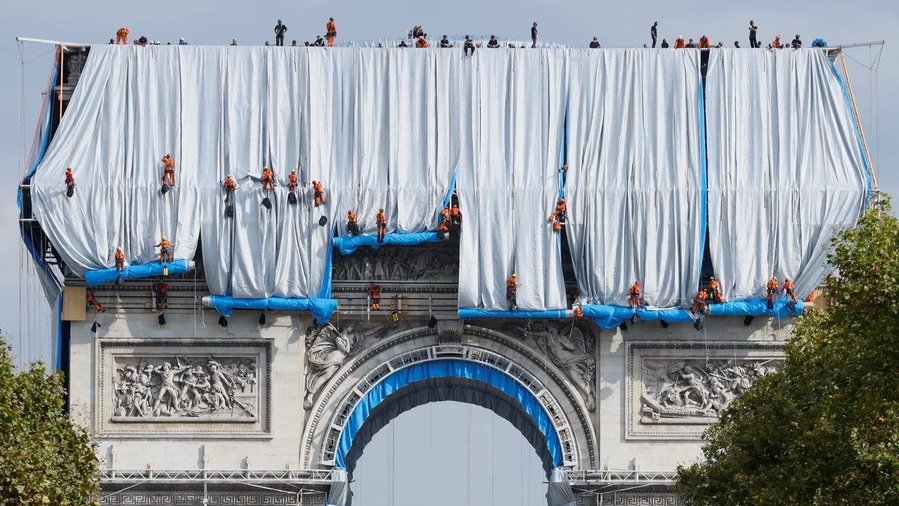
{"x":482,"y":348}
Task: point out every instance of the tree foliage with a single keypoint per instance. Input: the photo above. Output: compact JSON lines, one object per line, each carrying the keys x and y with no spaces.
{"x":44,"y":458}
{"x":825,"y":429}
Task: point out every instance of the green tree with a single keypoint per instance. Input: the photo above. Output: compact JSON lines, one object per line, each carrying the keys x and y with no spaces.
{"x":44,"y":458}
{"x":825,"y":429}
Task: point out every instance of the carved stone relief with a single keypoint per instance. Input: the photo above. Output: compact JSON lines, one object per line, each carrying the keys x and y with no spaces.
{"x":434,"y":264}
{"x":697,"y":390}
{"x":183,"y":388}
{"x":570,"y":347}
{"x":328,"y":347}
{"x":179,"y":389}
{"x":676,"y":390}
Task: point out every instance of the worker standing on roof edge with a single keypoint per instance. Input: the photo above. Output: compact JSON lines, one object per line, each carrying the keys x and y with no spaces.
{"x":121,"y":35}
{"x":753,"y":35}
{"x":654,"y":33}
{"x":331,"y":32}
{"x":534,"y":35}
{"x":279,"y":33}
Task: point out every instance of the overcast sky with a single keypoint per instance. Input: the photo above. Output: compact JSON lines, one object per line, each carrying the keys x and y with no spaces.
{"x":617,"y":24}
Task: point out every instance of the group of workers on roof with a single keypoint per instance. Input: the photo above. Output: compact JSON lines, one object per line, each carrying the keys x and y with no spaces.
{"x":419,"y":38}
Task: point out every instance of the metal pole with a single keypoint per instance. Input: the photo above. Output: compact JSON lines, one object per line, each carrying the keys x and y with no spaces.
{"x":62,"y":50}
{"x":858,"y":120}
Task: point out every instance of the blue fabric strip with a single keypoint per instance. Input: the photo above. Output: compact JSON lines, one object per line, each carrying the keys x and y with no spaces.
{"x":468,"y":313}
{"x":321,"y":309}
{"x":609,"y":317}
{"x":140,"y":271}
{"x":447,"y":369}
{"x":869,"y":179}
{"x":349,"y":245}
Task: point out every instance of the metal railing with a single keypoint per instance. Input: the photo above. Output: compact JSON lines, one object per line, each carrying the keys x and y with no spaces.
{"x":211,"y":476}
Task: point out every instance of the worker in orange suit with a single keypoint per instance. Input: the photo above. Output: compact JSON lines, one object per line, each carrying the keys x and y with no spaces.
{"x":94,"y":303}
{"x":680,"y":43}
{"x":70,"y":182}
{"x":635,"y":295}
{"x":293,"y":180}
{"x":318,"y":193}
{"x":775,"y":44}
{"x":455,"y":218}
{"x":382,"y":224}
{"x":557,"y":218}
{"x":119,"y":260}
{"x":168,"y":170}
{"x":268,"y":179}
{"x":790,"y":289}
{"x":771,"y":292}
{"x":351,"y":225}
{"x":121,"y":35}
{"x":715,"y":291}
{"x":443,"y":231}
{"x":445,"y":214}
{"x":229,"y":184}
{"x":422,"y":42}
{"x":165,"y":250}
{"x":162,"y":295}
{"x":374,"y":294}
{"x":512,"y":285}
{"x":705,"y":43}
{"x":699,"y":305}
{"x":578,"y":312}
{"x":331,"y":32}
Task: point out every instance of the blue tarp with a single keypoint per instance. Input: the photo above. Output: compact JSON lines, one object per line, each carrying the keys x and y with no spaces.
{"x":321,"y":309}
{"x":349,"y":245}
{"x":609,"y":317}
{"x":140,"y":271}
{"x":447,"y":369}
{"x":468,"y":313}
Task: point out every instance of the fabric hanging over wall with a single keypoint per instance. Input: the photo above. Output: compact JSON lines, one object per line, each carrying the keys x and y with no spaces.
{"x":511,"y":123}
{"x":786,"y":168}
{"x":87,"y":228}
{"x":635,"y":179}
{"x":362,"y":122}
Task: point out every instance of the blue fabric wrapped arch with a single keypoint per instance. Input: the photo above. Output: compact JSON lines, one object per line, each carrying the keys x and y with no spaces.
{"x":448,"y":369}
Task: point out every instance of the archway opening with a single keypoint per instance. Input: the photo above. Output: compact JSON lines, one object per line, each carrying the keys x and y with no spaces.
{"x":447,"y":452}
{"x":473,"y":383}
